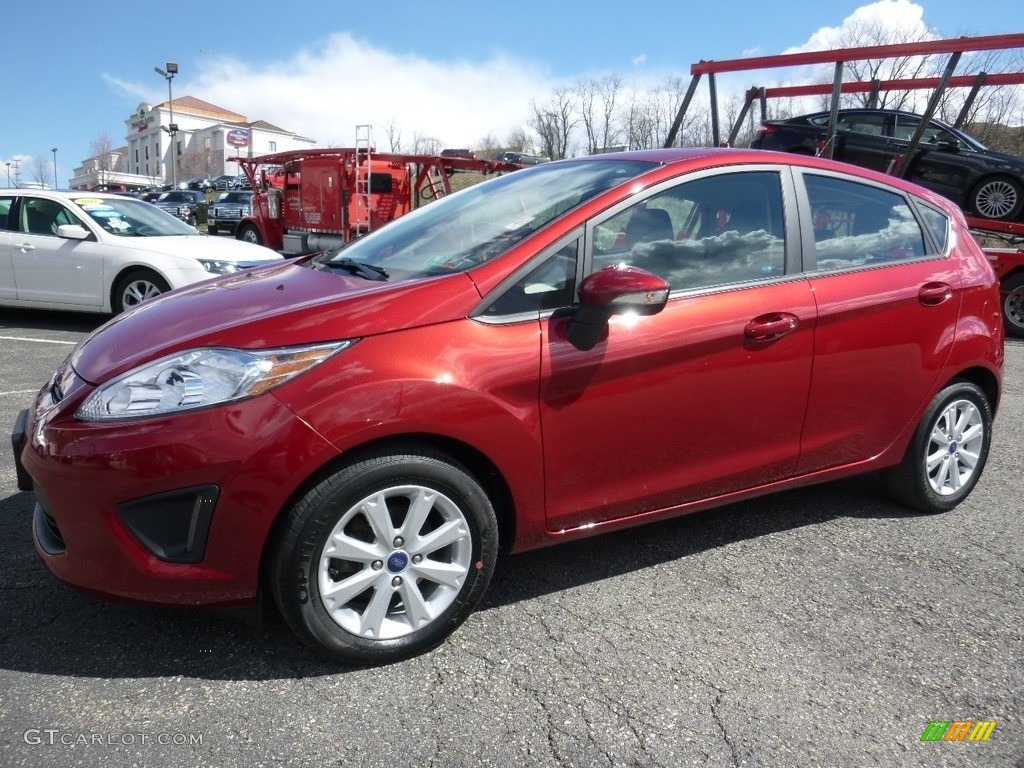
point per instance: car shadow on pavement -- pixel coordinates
(51, 629)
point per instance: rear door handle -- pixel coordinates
(933, 294)
(25, 247)
(769, 327)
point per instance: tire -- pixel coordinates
(998, 197)
(1012, 293)
(947, 455)
(346, 570)
(136, 287)
(249, 234)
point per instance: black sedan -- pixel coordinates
(981, 181)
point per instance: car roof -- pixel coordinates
(71, 195)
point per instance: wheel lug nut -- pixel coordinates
(399, 541)
(377, 565)
(396, 582)
(417, 559)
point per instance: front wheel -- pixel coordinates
(997, 198)
(947, 454)
(249, 234)
(1012, 291)
(136, 287)
(386, 557)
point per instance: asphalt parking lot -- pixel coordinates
(819, 627)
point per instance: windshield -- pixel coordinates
(236, 197)
(132, 218)
(464, 229)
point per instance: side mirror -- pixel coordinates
(948, 145)
(72, 232)
(616, 290)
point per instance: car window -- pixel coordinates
(856, 225)
(550, 285)
(712, 231)
(860, 122)
(128, 217)
(5, 211)
(41, 216)
(937, 224)
(906, 125)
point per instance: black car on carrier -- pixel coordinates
(981, 181)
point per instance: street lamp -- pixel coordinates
(171, 127)
(54, 150)
(8, 175)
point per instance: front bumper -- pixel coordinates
(173, 510)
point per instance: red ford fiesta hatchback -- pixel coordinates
(569, 349)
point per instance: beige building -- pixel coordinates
(205, 137)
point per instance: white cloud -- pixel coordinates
(324, 93)
(640, 60)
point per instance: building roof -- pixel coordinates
(193, 106)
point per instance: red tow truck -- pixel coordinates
(323, 198)
(1008, 263)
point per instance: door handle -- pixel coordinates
(933, 294)
(771, 326)
(25, 247)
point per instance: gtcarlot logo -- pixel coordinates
(54, 736)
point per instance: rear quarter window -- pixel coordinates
(937, 224)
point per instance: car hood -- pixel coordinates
(199, 246)
(265, 308)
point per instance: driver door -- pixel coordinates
(52, 269)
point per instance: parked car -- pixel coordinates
(100, 252)
(228, 211)
(981, 181)
(199, 183)
(521, 158)
(188, 205)
(224, 181)
(574, 348)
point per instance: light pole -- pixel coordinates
(8, 175)
(54, 150)
(171, 128)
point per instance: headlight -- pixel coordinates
(215, 267)
(199, 378)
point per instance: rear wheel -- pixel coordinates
(1000, 197)
(249, 234)
(1012, 291)
(136, 287)
(385, 558)
(948, 452)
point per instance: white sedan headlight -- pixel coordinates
(217, 267)
(199, 378)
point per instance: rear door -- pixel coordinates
(887, 308)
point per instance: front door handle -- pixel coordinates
(769, 327)
(25, 247)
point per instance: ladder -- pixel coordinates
(363, 180)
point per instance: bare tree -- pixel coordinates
(394, 134)
(425, 145)
(518, 140)
(554, 121)
(102, 148)
(41, 169)
(598, 109)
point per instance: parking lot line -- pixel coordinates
(41, 341)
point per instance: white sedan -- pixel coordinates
(96, 252)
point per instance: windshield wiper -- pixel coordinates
(361, 269)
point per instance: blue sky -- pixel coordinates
(456, 70)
